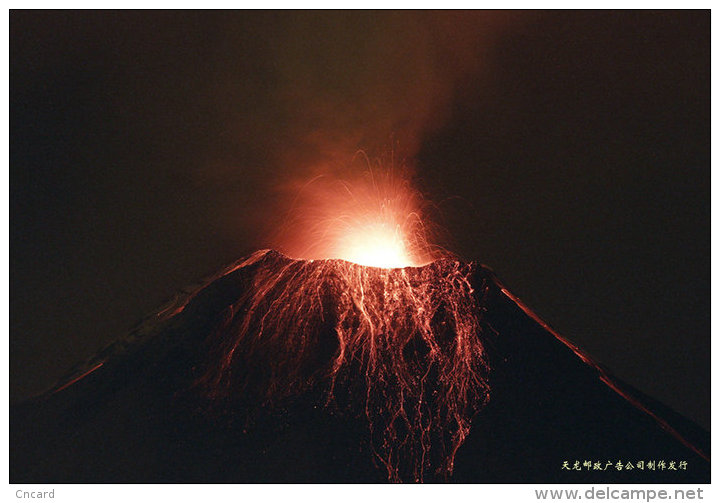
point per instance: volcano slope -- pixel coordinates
(279, 370)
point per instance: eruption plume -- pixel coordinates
(375, 219)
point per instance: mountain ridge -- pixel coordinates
(588, 413)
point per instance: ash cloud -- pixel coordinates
(302, 92)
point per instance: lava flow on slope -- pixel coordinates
(406, 339)
(404, 345)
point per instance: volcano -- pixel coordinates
(280, 370)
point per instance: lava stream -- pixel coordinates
(401, 346)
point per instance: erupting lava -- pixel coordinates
(357, 319)
(377, 245)
(376, 219)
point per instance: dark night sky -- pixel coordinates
(569, 151)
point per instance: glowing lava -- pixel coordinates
(401, 347)
(375, 219)
(361, 322)
(377, 245)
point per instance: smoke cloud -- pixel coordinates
(308, 90)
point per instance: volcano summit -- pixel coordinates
(283, 370)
